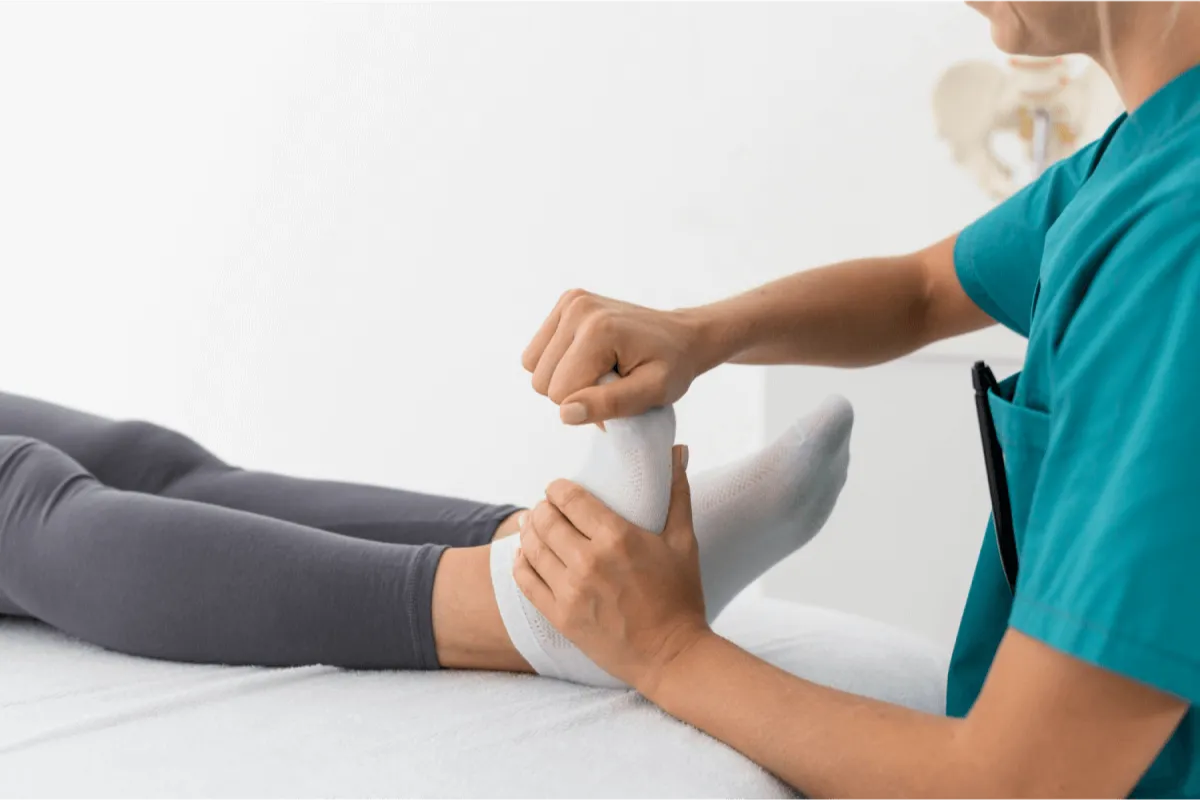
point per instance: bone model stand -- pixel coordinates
(1049, 107)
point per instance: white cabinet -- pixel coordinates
(902, 543)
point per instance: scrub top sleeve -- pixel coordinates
(999, 256)
(1110, 566)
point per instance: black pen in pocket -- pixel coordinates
(993, 459)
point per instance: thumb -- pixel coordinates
(678, 531)
(627, 396)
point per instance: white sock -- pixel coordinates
(753, 513)
(629, 470)
(748, 516)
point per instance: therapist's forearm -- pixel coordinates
(851, 314)
(819, 740)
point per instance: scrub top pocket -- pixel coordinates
(1023, 433)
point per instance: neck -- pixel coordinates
(1148, 45)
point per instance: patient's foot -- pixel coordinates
(748, 516)
(752, 514)
(629, 469)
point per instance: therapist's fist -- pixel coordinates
(657, 355)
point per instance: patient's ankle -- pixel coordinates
(508, 526)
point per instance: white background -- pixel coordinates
(317, 237)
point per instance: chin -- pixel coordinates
(1012, 42)
(1008, 30)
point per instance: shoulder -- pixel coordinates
(1162, 226)
(1136, 277)
(1145, 219)
(1162, 184)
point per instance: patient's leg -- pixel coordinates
(467, 627)
(142, 457)
(186, 581)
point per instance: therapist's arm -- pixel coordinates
(851, 314)
(1045, 725)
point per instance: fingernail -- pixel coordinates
(683, 456)
(573, 413)
(521, 520)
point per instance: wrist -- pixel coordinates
(714, 333)
(678, 650)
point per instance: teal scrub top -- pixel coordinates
(1097, 263)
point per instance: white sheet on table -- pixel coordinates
(77, 720)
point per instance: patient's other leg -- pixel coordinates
(143, 457)
(186, 581)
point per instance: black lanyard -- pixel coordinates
(993, 459)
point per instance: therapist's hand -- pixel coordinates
(630, 600)
(657, 354)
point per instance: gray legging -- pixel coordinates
(135, 538)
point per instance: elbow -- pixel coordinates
(982, 772)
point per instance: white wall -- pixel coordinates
(317, 237)
(902, 543)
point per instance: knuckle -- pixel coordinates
(541, 515)
(614, 534)
(619, 545)
(579, 306)
(626, 548)
(570, 295)
(564, 493)
(523, 579)
(571, 596)
(570, 493)
(531, 549)
(599, 324)
(605, 552)
(589, 563)
(682, 537)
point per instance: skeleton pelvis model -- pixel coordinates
(1048, 106)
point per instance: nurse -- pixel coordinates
(1080, 681)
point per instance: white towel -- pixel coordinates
(77, 720)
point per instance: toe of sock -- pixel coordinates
(834, 417)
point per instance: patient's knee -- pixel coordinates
(34, 478)
(141, 456)
(26, 462)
